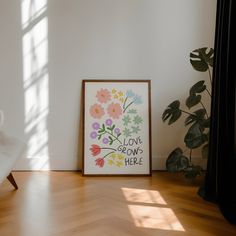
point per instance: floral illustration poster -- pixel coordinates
(116, 127)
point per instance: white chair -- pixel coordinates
(10, 150)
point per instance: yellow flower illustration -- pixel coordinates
(120, 94)
(120, 156)
(113, 90)
(110, 162)
(121, 99)
(113, 155)
(116, 159)
(119, 164)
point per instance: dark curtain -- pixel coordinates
(220, 180)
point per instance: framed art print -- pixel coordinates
(116, 127)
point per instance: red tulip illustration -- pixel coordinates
(100, 162)
(95, 149)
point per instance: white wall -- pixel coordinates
(41, 71)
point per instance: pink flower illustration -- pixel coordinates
(114, 110)
(100, 162)
(103, 95)
(96, 111)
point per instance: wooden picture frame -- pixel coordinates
(116, 127)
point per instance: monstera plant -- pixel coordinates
(197, 117)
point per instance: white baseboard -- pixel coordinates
(61, 163)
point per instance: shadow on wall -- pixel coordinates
(34, 25)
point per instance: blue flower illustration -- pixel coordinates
(130, 93)
(137, 100)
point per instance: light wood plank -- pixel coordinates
(65, 203)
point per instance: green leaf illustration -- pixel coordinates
(127, 132)
(132, 111)
(111, 128)
(110, 140)
(137, 119)
(135, 129)
(126, 120)
(101, 130)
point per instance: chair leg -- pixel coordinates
(12, 180)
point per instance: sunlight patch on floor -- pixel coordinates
(149, 210)
(155, 218)
(143, 196)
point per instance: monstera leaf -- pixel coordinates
(195, 136)
(172, 112)
(193, 171)
(176, 161)
(197, 116)
(193, 100)
(199, 87)
(200, 59)
(197, 120)
(206, 123)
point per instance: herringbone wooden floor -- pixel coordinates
(67, 204)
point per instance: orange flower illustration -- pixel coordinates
(96, 111)
(114, 110)
(100, 162)
(103, 95)
(95, 149)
